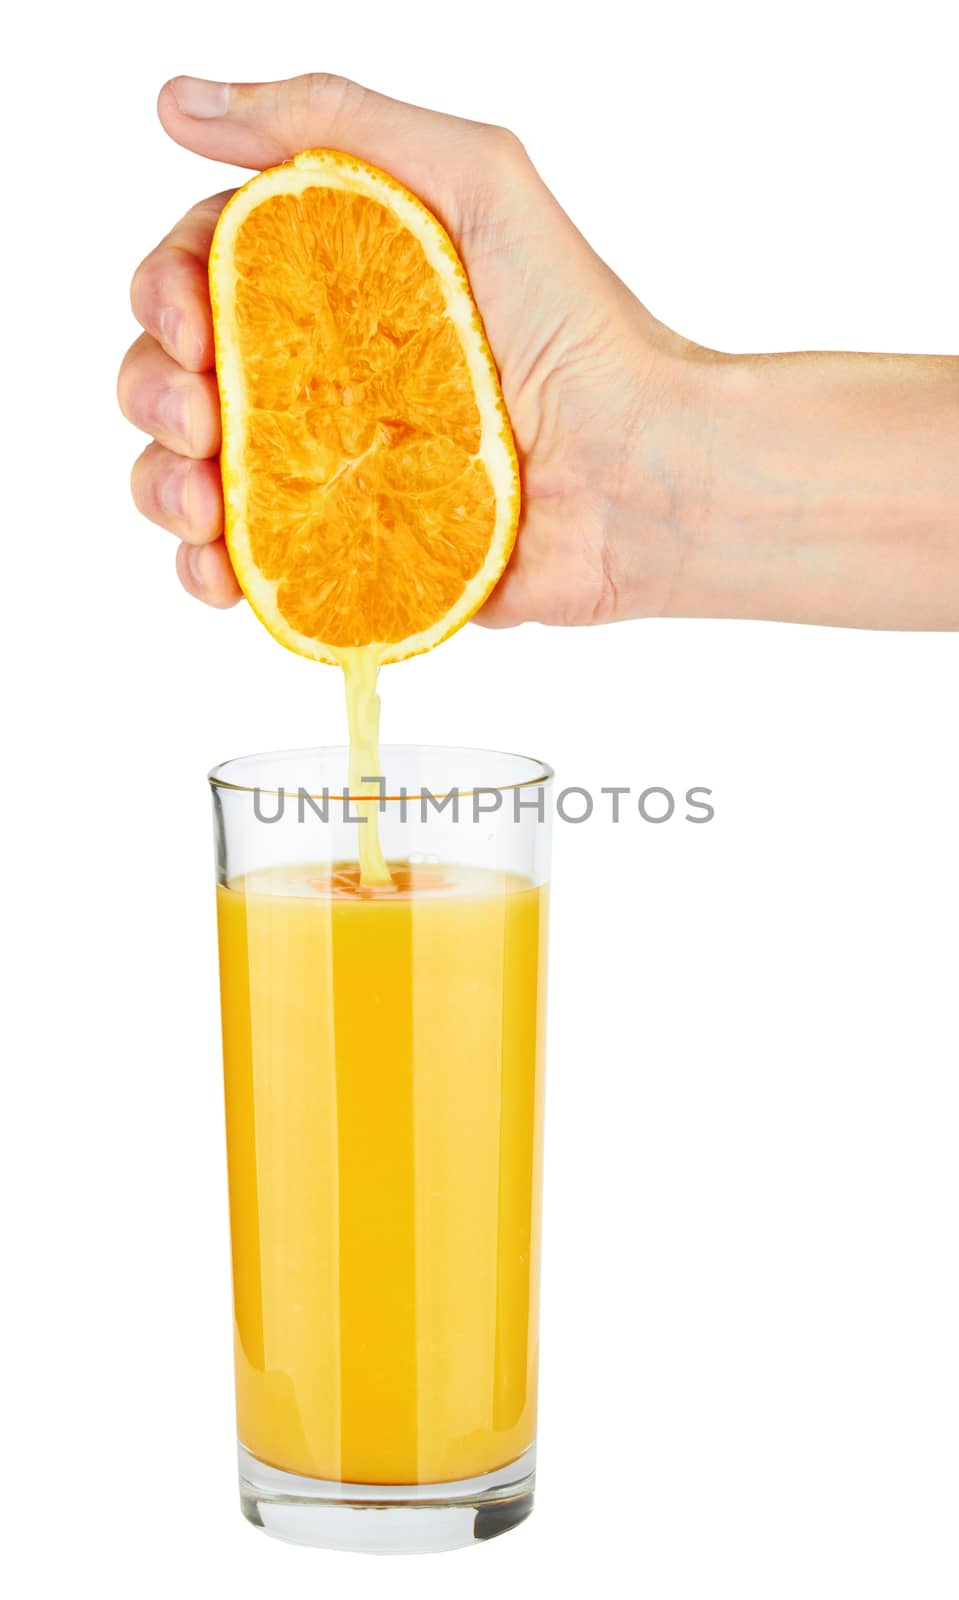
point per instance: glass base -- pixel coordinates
(387, 1519)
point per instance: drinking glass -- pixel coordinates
(383, 1062)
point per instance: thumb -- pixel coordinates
(260, 124)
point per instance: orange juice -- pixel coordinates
(383, 1059)
(360, 671)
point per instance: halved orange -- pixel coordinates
(369, 472)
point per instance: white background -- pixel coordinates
(751, 1318)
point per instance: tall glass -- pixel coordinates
(383, 1057)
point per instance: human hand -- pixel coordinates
(609, 409)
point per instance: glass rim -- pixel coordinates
(543, 775)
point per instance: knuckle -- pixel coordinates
(333, 94)
(158, 279)
(507, 145)
(137, 473)
(143, 287)
(126, 387)
(144, 485)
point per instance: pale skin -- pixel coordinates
(660, 478)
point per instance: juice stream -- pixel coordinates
(360, 668)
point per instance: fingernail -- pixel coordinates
(172, 410)
(194, 559)
(173, 490)
(194, 351)
(170, 323)
(199, 97)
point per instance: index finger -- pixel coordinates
(170, 293)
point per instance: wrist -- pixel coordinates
(830, 492)
(737, 496)
(662, 524)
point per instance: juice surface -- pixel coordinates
(383, 1058)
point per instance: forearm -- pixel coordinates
(829, 494)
